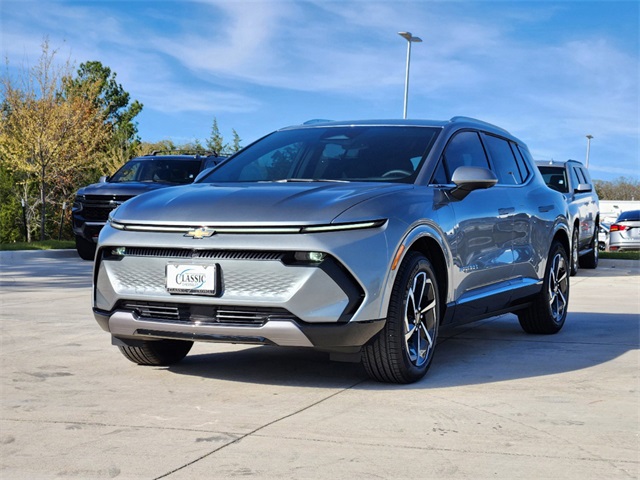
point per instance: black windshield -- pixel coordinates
(358, 153)
(163, 170)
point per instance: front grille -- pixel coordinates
(206, 314)
(211, 254)
(98, 207)
(97, 212)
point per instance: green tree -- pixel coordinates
(97, 83)
(46, 136)
(620, 189)
(215, 143)
(236, 146)
(11, 228)
(194, 147)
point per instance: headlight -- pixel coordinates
(113, 222)
(78, 202)
(309, 257)
(336, 227)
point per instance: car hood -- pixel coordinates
(251, 203)
(123, 188)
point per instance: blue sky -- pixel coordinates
(550, 72)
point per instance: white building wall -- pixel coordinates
(610, 209)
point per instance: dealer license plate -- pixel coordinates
(191, 279)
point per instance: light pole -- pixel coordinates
(410, 39)
(589, 137)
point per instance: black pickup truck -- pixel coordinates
(93, 203)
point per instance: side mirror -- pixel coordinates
(103, 179)
(468, 179)
(583, 187)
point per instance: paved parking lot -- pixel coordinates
(497, 403)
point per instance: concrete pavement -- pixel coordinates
(497, 403)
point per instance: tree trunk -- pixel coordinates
(44, 206)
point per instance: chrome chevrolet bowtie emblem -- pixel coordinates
(201, 232)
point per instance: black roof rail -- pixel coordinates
(181, 152)
(461, 118)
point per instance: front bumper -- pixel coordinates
(89, 230)
(266, 296)
(124, 325)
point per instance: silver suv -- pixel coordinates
(572, 179)
(360, 238)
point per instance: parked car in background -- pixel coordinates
(572, 179)
(357, 238)
(625, 232)
(93, 203)
(603, 236)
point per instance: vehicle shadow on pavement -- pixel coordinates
(495, 350)
(299, 367)
(498, 350)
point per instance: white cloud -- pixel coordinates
(238, 56)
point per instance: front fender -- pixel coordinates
(428, 238)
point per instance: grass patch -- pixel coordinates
(632, 255)
(44, 245)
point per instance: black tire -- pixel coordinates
(157, 352)
(86, 249)
(548, 312)
(590, 259)
(574, 252)
(402, 352)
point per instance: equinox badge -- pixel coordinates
(202, 232)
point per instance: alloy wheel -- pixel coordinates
(558, 287)
(420, 320)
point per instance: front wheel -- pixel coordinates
(548, 311)
(85, 248)
(156, 352)
(402, 352)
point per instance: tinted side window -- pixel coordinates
(555, 177)
(522, 165)
(463, 150)
(630, 216)
(530, 165)
(578, 174)
(585, 174)
(504, 163)
(575, 180)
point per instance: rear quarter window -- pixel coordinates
(632, 216)
(504, 162)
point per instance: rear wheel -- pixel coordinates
(86, 249)
(548, 311)
(156, 352)
(402, 352)
(590, 260)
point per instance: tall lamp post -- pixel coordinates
(589, 137)
(410, 39)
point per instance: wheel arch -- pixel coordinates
(431, 243)
(430, 248)
(562, 235)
